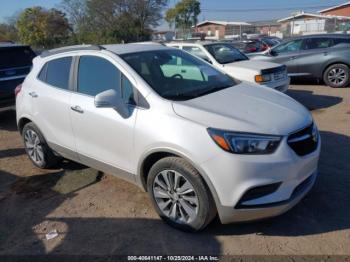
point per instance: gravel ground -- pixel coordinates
(102, 215)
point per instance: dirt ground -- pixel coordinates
(102, 215)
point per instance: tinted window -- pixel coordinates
(291, 46)
(127, 91)
(58, 72)
(15, 57)
(341, 41)
(315, 43)
(42, 74)
(225, 53)
(189, 79)
(96, 75)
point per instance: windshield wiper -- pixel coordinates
(181, 97)
(210, 90)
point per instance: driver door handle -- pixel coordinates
(292, 58)
(77, 109)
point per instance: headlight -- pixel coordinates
(262, 78)
(245, 143)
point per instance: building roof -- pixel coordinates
(334, 7)
(222, 23)
(302, 14)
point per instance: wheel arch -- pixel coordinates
(155, 155)
(333, 63)
(22, 122)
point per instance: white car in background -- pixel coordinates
(227, 58)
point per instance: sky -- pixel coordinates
(227, 10)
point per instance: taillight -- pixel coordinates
(18, 89)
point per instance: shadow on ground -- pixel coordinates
(324, 209)
(313, 101)
(8, 120)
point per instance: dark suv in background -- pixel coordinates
(325, 57)
(15, 64)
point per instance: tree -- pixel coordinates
(76, 11)
(8, 32)
(43, 28)
(110, 21)
(184, 15)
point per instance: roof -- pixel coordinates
(334, 7)
(221, 23)
(302, 14)
(323, 35)
(265, 23)
(120, 49)
(115, 48)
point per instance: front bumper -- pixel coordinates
(233, 176)
(228, 215)
(281, 85)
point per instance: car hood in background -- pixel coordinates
(246, 108)
(249, 65)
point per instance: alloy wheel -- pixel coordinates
(337, 76)
(175, 196)
(33, 146)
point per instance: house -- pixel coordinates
(271, 28)
(222, 29)
(307, 23)
(338, 10)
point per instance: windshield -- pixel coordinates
(225, 53)
(177, 75)
(270, 42)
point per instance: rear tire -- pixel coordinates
(179, 194)
(337, 76)
(36, 147)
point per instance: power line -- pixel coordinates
(264, 9)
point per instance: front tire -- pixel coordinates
(337, 76)
(36, 147)
(180, 195)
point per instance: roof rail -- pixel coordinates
(70, 48)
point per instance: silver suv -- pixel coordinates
(200, 142)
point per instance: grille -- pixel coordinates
(274, 70)
(305, 141)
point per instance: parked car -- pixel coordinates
(256, 45)
(233, 62)
(15, 64)
(199, 141)
(325, 57)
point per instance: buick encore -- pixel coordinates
(200, 142)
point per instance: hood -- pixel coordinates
(246, 108)
(249, 65)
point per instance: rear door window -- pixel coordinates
(58, 71)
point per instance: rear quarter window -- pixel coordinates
(56, 72)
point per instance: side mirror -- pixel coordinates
(111, 99)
